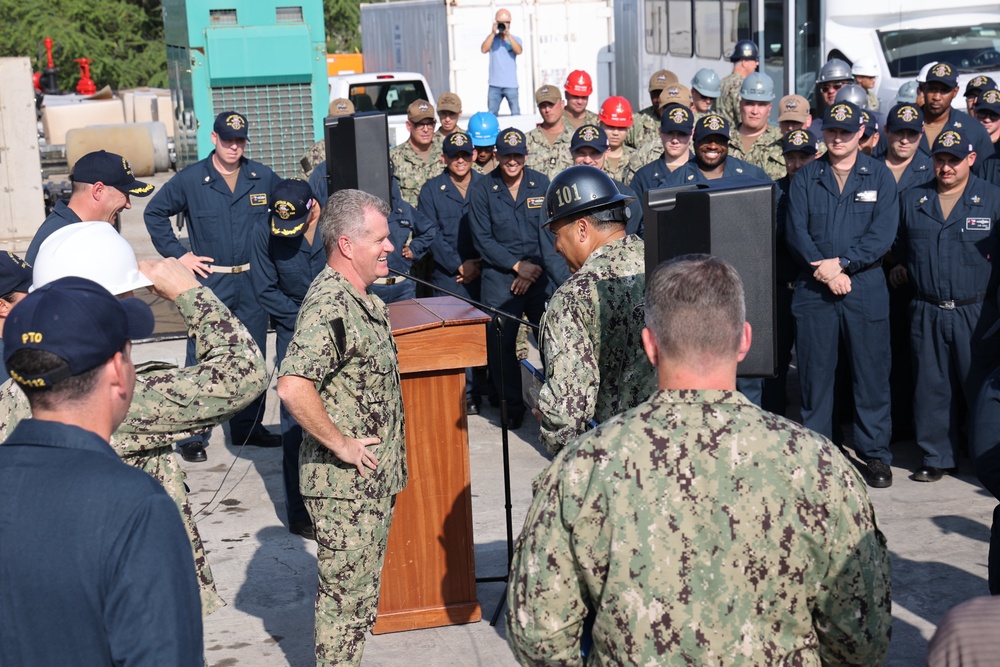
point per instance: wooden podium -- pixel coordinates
(429, 575)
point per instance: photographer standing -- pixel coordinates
(503, 48)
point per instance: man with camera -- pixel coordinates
(503, 49)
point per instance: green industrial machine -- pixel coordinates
(263, 58)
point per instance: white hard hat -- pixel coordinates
(865, 67)
(922, 77)
(92, 250)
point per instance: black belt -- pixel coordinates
(952, 304)
(868, 267)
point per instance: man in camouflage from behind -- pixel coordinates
(340, 381)
(317, 154)
(594, 364)
(696, 528)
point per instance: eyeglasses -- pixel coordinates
(983, 114)
(425, 123)
(833, 85)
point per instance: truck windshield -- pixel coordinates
(389, 96)
(969, 48)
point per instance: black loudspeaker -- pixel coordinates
(357, 153)
(732, 219)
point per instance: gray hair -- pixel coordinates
(695, 308)
(344, 215)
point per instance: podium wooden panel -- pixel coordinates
(429, 575)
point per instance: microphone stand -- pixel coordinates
(497, 317)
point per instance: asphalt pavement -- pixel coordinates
(937, 533)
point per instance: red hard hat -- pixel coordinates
(616, 112)
(578, 83)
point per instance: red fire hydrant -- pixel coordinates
(86, 85)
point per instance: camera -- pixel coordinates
(501, 27)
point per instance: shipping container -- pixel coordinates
(442, 39)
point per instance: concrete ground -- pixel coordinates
(937, 533)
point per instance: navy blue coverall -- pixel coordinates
(445, 206)
(858, 224)
(283, 270)
(505, 231)
(949, 262)
(220, 225)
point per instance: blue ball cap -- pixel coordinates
(676, 118)
(457, 142)
(842, 116)
(291, 200)
(943, 73)
(512, 142)
(952, 143)
(989, 100)
(905, 117)
(870, 123)
(112, 170)
(709, 125)
(231, 125)
(589, 135)
(78, 321)
(15, 274)
(803, 141)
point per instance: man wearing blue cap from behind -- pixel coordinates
(287, 254)
(79, 591)
(15, 279)
(225, 197)
(842, 218)
(947, 240)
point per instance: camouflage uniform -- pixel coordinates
(765, 152)
(618, 171)
(728, 104)
(344, 345)
(645, 126)
(412, 171)
(872, 100)
(589, 118)
(313, 157)
(595, 365)
(548, 158)
(703, 531)
(490, 166)
(171, 403)
(650, 151)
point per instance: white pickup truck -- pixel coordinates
(391, 92)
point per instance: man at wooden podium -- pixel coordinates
(340, 380)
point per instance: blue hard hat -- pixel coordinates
(745, 49)
(484, 128)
